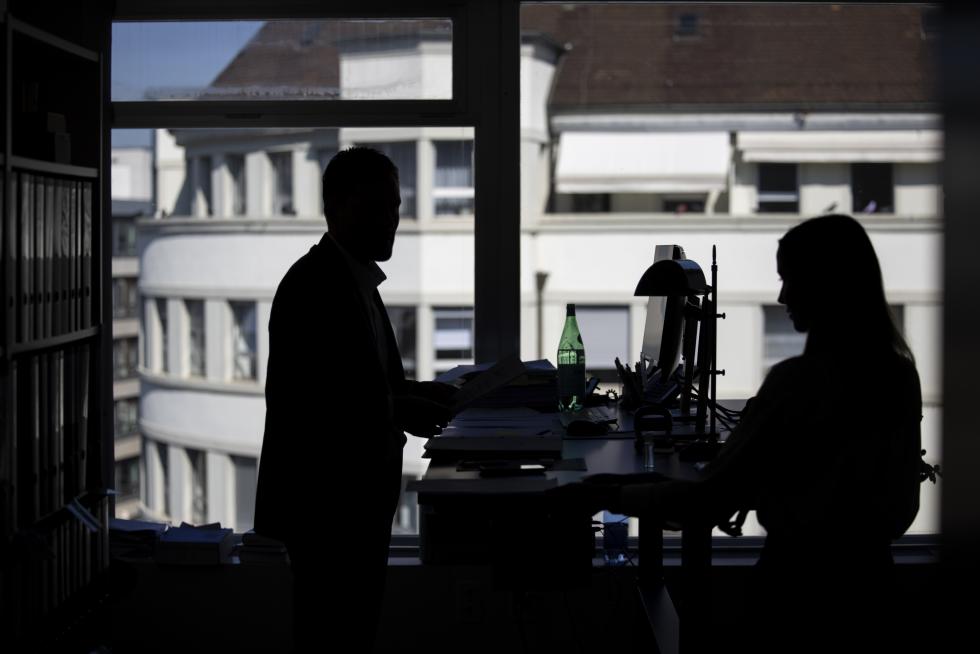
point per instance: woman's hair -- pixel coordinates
(831, 259)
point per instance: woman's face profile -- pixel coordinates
(793, 295)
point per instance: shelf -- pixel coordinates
(47, 38)
(38, 166)
(53, 342)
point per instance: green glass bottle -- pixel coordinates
(571, 364)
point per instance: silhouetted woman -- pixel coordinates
(827, 453)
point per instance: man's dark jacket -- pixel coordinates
(330, 470)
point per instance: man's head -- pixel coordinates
(361, 200)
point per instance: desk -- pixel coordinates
(467, 519)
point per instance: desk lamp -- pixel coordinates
(684, 278)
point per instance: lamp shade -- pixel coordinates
(672, 277)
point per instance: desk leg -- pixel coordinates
(695, 605)
(651, 539)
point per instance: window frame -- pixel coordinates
(486, 36)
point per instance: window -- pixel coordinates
(453, 338)
(605, 334)
(126, 417)
(686, 26)
(778, 189)
(236, 177)
(125, 297)
(199, 486)
(282, 183)
(195, 342)
(781, 340)
(163, 454)
(679, 206)
(128, 478)
(125, 354)
(204, 198)
(872, 189)
(402, 154)
(124, 237)
(582, 203)
(403, 324)
(161, 305)
(301, 60)
(243, 341)
(406, 520)
(246, 477)
(453, 189)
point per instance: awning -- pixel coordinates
(894, 146)
(642, 162)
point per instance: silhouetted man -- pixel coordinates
(337, 403)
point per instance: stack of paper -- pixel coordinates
(187, 544)
(509, 383)
(256, 548)
(135, 538)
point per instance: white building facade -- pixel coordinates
(601, 188)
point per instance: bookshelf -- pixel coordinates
(54, 509)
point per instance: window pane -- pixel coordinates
(246, 477)
(235, 164)
(453, 338)
(716, 125)
(872, 190)
(403, 323)
(453, 190)
(195, 320)
(128, 478)
(243, 340)
(605, 335)
(162, 334)
(199, 486)
(282, 59)
(282, 183)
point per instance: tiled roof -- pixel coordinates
(631, 56)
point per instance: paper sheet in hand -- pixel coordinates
(498, 376)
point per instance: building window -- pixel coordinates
(236, 176)
(246, 478)
(204, 185)
(686, 26)
(403, 324)
(453, 189)
(406, 520)
(125, 354)
(125, 297)
(282, 183)
(606, 336)
(195, 340)
(162, 332)
(243, 341)
(686, 205)
(199, 486)
(872, 189)
(780, 340)
(402, 154)
(453, 339)
(128, 478)
(124, 237)
(126, 417)
(778, 188)
(163, 454)
(583, 203)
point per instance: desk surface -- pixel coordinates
(614, 453)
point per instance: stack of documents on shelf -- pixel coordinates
(517, 431)
(187, 544)
(256, 548)
(508, 383)
(134, 538)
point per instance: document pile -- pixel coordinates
(134, 538)
(256, 548)
(187, 544)
(506, 384)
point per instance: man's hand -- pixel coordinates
(420, 416)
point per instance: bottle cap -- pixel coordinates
(570, 309)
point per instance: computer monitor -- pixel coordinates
(664, 329)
